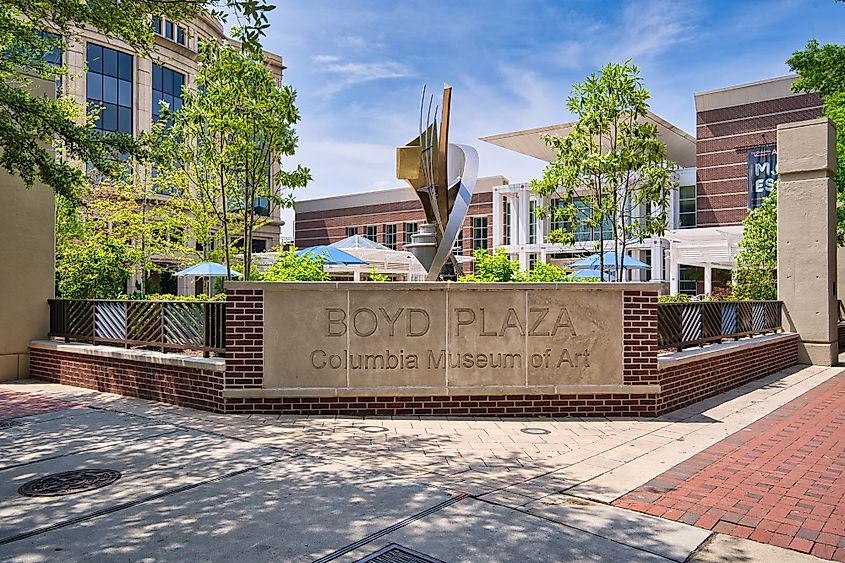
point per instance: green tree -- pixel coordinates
(32, 122)
(92, 268)
(376, 276)
(228, 140)
(821, 69)
(544, 272)
(756, 274)
(610, 174)
(493, 267)
(292, 267)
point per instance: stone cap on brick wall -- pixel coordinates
(439, 286)
(673, 359)
(132, 355)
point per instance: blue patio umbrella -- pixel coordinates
(332, 254)
(207, 270)
(593, 262)
(588, 274)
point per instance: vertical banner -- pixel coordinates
(762, 174)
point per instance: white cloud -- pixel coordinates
(351, 73)
(326, 59)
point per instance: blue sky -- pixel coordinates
(359, 67)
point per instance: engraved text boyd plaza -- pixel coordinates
(413, 323)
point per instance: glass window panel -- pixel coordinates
(687, 206)
(124, 93)
(178, 80)
(168, 30)
(124, 66)
(95, 58)
(108, 117)
(157, 74)
(167, 81)
(94, 86)
(157, 24)
(124, 120)
(110, 89)
(109, 62)
(177, 104)
(180, 35)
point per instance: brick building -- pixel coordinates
(390, 217)
(731, 123)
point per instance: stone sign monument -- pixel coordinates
(441, 335)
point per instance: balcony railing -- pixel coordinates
(167, 325)
(681, 325)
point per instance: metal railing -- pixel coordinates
(167, 325)
(681, 325)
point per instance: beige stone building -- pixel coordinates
(105, 72)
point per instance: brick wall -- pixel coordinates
(329, 226)
(640, 339)
(182, 386)
(244, 338)
(723, 137)
(683, 384)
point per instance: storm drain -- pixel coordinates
(535, 431)
(10, 423)
(69, 482)
(373, 429)
(395, 553)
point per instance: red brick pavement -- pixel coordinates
(14, 404)
(777, 481)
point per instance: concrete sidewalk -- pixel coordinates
(200, 486)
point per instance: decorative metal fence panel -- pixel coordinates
(168, 325)
(692, 323)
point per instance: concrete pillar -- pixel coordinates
(807, 237)
(656, 259)
(708, 279)
(498, 222)
(523, 214)
(674, 273)
(542, 204)
(27, 263)
(514, 215)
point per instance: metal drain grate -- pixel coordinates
(69, 482)
(535, 431)
(395, 553)
(373, 429)
(10, 423)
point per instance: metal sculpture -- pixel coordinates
(443, 176)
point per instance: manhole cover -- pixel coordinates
(69, 482)
(395, 553)
(535, 431)
(373, 429)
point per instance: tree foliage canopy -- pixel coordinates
(33, 122)
(756, 274)
(821, 69)
(292, 267)
(611, 174)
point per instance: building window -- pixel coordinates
(167, 90)
(371, 232)
(458, 247)
(157, 25)
(688, 279)
(532, 222)
(109, 88)
(261, 206)
(645, 256)
(687, 207)
(52, 55)
(351, 231)
(390, 236)
(507, 221)
(168, 30)
(259, 245)
(532, 259)
(556, 222)
(180, 35)
(410, 231)
(479, 232)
